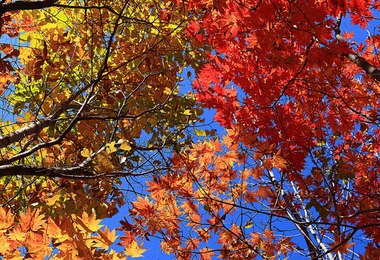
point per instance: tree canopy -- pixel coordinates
(93, 119)
(89, 95)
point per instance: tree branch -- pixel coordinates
(358, 60)
(76, 172)
(25, 5)
(39, 125)
(295, 217)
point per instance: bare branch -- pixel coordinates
(25, 5)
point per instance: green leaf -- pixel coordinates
(200, 132)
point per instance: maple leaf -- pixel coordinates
(192, 28)
(232, 24)
(127, 239)
(6, 219)
(88, 223)
(340, 245)
(55, 231)
(17, 234)
(143, 206)
(39, 245)
(32, 220)
(4, 245)
(125, 225)
(263, 191)
(134, 250)
(279, 161)
(286, 245)
(105, 239)
(230, 157)
(207, 254)
(190, 206)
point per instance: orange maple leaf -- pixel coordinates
(31, 220)
(17, 235)
(6, 219)
(88, 223)
(134, 250)
(263, 191)
(279, 162)
(143, 206)
(207, 254)
(4, 244)
(340, 245)
(127, 239)
(105, 239)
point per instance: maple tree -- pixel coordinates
(296, 174)
(90, 96)
(90, 101)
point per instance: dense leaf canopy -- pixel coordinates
(93, 119)
(89, 95)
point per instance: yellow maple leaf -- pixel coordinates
(52, 200)
(111, 147)
(133, 250)
(88, 223)
(85, 152)
(105, 238)
(125, 146)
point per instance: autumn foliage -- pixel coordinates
(296, 173)
(92, 115)
(90, 95)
